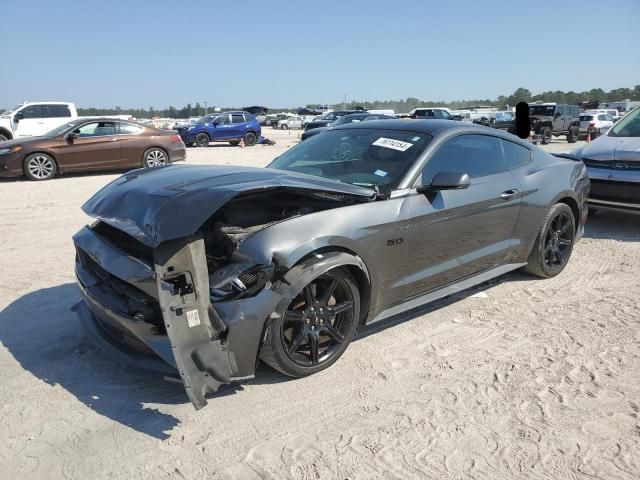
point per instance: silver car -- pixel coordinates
(613, 164)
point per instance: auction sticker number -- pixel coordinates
(393, 144)
(193, 319)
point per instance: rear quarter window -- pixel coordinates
(57, 111)
(515, 155)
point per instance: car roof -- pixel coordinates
(433, 127)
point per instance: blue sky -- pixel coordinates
(288, 53)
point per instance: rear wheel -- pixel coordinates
(154, 157)
(317, 326)
(572, 136)
(202, 140)
(250, 139)
(39, 166)
(546, 136)
(554, 243)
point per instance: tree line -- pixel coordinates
(594, 95)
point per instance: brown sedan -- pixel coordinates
(90, 144)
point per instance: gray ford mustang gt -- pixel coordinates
(201, 271)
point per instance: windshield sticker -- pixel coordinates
(415, 139)
(392, 144)
(193, 319)
(380, 173)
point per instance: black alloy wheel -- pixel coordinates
(554, 243)
(316, 327)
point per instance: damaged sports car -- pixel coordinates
(200, 272)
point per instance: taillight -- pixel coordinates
(592, 125)
(175, 138)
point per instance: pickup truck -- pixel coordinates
(31, 119)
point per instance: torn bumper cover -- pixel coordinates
(160, 318)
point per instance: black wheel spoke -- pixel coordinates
(326, 295)
(340, 307)
(308, 295)
(294, 316)
(564, 243)
(297, 340)
(333, 332)
(313, 348)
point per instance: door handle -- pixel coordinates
(509, 194)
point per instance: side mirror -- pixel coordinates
(71, 136)
(446, 181)
(18, 116)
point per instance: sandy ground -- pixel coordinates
(519, 378)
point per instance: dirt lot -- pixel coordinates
(520, 378)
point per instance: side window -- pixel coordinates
(237, 118)
(96, 129)
(476, 155)
(58, 111)
(222, 119)
(601, 117)
(609, 118)
(32, 111)
(560, 110)
(515, 155)
(128, 129)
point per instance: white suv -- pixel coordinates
(595, 123)
(35, 118)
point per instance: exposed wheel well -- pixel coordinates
(6, 133)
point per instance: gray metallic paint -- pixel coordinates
(450, 240)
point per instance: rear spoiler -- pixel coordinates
(568, 156)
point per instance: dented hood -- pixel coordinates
(165, 203)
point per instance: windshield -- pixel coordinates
(504, 116)
(628, 126)
(363, 157)
(344, 120)
(542, 110)
(59, 130)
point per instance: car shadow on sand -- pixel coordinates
(613, 225)
(46, 338)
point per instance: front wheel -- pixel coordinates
(39, 166)
(202, 140)
(317, 326)
(572, 136)
(154, 157)
(284, 126)
(554, 243)
(546, 136)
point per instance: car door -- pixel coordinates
(221, 126)
(456, 233)
(132, 144)
(30, 121)
(558, 119)
(238, 125)
(96, 145)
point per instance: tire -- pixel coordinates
(573, 135)
(250, 139)
(289, 337)
(202, 140)
(39, 166)
(554, 243)
(284, 126)
(235, 143)
(546, 136)
(3, 138)
(155, 157)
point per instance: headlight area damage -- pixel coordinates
(165, 287)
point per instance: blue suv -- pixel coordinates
(222, 127)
